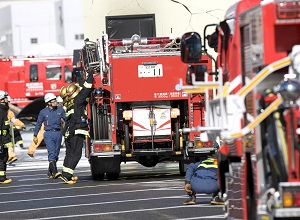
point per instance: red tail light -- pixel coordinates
(297, 199)
(97, 147)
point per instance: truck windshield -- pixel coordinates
(53, 72)
(68, 74)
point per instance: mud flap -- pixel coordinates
(105, 164)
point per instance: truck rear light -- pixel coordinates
(97, 147)
(288, 9)
(287, 199)
(107, 147)
(127, 115)
(175, 112)
(198, 143)
(296, 199)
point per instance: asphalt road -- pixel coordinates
(140, 193)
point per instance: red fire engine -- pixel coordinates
(26, 79)
(255, 112)
(136, 108)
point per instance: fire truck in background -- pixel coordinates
(136, 110)
(255, 112)
(26, 79)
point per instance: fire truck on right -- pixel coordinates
(255, 110)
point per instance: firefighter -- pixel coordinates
(32, 148)
(17, 125)
(201, 177)
(5, 137)
(76, 129)
(51, 116)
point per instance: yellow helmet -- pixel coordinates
(73, 90)
(63, 92)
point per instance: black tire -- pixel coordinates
(112, 176)
(182, 167)
(126, 138)
(98, 176)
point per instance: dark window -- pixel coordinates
(68, 75)
(53, 72)
(125, 26)
(81, 36)
(76, 37)
(34, 40)
(34, 73)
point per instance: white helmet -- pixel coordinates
(8, 98)
(49, 96)
(59, 99)
(3, 94)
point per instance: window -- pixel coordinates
(34, 40)
(53, 72)
(79, 36)
(68, 75)
(125, 26)
(34, 73)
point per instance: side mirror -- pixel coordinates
(190, 46)
(198, 70)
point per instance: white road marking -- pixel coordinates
(137, 210)
(80, 187)
(109, 202)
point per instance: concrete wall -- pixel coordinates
(168, 14)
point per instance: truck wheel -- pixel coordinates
(126, 138)
(98, 176)
(176, 136)
(182, 167)
(112, 176)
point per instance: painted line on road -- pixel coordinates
(131, 211)
(104, 203)
(80, 187)
(203, 217)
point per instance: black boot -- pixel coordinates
(191, 200)
(50, 174)
(53, 169)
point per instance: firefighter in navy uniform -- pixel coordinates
(76, 128)
(52, 117)
(202, 177)
(5, 138)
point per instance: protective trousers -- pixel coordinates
(204, 185)
(53, 141)
(3, 161)
(74, 144)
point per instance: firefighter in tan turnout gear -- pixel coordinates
(76, 128)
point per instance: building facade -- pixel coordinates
(46, 27)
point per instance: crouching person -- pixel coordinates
(202, 177)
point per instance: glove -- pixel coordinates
(77, 72)
(188, 188)
(91, 71)
(35, 139)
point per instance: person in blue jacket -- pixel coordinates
(53, 117)
(202, 177)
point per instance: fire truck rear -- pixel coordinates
(26, 79)
(136, 108)
(255, 112)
